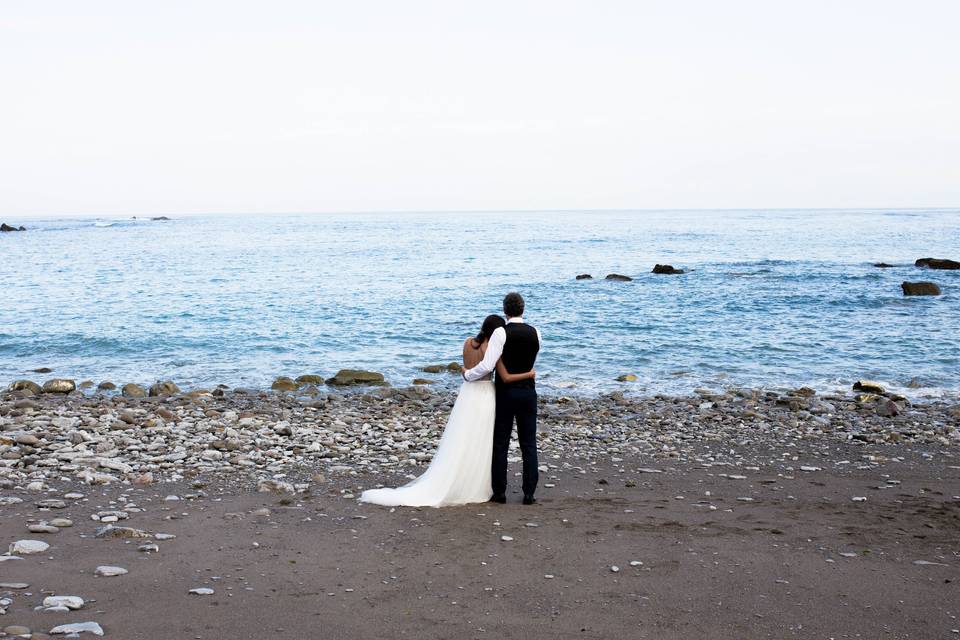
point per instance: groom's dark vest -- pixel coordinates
(519, 352)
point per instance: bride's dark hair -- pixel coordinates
(490, 324)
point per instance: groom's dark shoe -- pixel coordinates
(529, 500)
(499, 498)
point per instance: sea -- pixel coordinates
(770, 299)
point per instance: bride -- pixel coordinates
(460, 470)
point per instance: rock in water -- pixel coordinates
(584, 276)
(59, 385)
(5, 228)
(629, 377)
(346, 377)
(882, 265)
(666, 269)
(868, 386)
(422, 381)
(284, 383)
(618, 277)
(106, 386)
(26, 385)
(131, 390)
(78, 627)
(937, 263)
(309, 378)
(920, 289)
(167, 388)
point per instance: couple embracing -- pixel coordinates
(470, 464)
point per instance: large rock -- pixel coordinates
(5, 228)
(453, 367)
(283, 383)
(937, 263)
(310, 378)
(618, 277)
(346, 377)
(869, 386)
(920, 289)
(26, 385)
(59, 385)
(666, 269)
(584, 276)
(131, 390)
(167, 388)
(106, 386)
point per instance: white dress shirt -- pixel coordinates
(494, 350)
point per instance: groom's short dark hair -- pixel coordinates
(513, 305)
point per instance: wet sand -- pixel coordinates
(695, 559)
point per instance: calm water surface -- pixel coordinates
(772, 298)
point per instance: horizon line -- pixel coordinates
(472, 211)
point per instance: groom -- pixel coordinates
(518, 344)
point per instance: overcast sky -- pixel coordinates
(123, 107)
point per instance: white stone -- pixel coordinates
(202, 591)
(79, 627)
(108, 572)
(71, 602)
(506, 538)
(26, 547)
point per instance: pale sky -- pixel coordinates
(126, 108)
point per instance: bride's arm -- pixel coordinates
(510, 378)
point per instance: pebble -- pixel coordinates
(108, 571)
(78, 627)
(14, 585)
(636, 563)
(16, 630)
(859, 498)
(615, 569)
(148, 548)
(110, 531)
(202, 591)
(27, 547)
(70, 602)
(506, 538)
(164, 536)
(42, 528)
(51, 503)
(61, 523)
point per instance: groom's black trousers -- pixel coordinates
(518, 403)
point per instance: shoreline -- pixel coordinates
(113, 438)
(723, 517)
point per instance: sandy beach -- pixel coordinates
(740, 519)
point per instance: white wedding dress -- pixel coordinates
(460, 470)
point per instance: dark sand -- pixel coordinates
(328, 567)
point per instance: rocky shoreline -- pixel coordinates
(165, 433)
